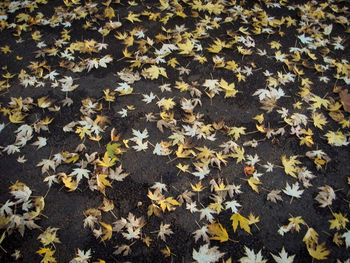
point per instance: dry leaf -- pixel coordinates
(345, 99)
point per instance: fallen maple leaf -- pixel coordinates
(207, 255)
(283, 257)
(251, 257)
(164, 229)
(339, 221)
(242, 221)
(47, 254)
(318, 252)
(107, 231)
(49, 236)
(345, 99)
(290, 165)
(274, 196)
(69, 183)
(218, 232)
(186, 47)
(293, 191)
(253, 184)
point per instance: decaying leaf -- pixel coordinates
(345, 99)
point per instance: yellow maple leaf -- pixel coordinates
(253, 219)
(214, 48)
(107, 231)
(312, 56)
(129, 41)
(182, 86)
(205, 152)
(244, 51)
(229, 89)
(220, 187)
(82, 131)
(345, 123)
(296, 57)
(168, 203)
(173, 62)
(336, 138)
(297, 105)
(167, 104)
(69, 183)
(319, 120)
(290, 165)
(239, 155)
(181, 153)
(109, 12)
(126, 53)
(47, 254)
(338, 239)
(198, 187)
(107, 161)
(318, 252)
(259, 118)
(102, 182)
(311, 237)
(242, 221)
(6, 49)
(121, 36)
(307, 140)
(153, 72)
(183, 168)
(65, 34)
(217, 207)
(200, 59)
(109, 95)
(218, 232)
(218, 46)
(237, 132)
(275, 45)
(240, 77)
(253, 184)
(36, 35)
(231, 65)
(133, 17)
(17, 117)
(49, 236)
(154, 209)
(296, 222)
(319, 102)
(186, 48)
(339, 221)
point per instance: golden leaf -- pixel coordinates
(107, 231)
(318, 252)
(218, 232)
(242, 221)
(70, 183)
(290, 165)
(253, 184)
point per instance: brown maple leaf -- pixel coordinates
(345, 99)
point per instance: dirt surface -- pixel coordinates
(256, 97)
